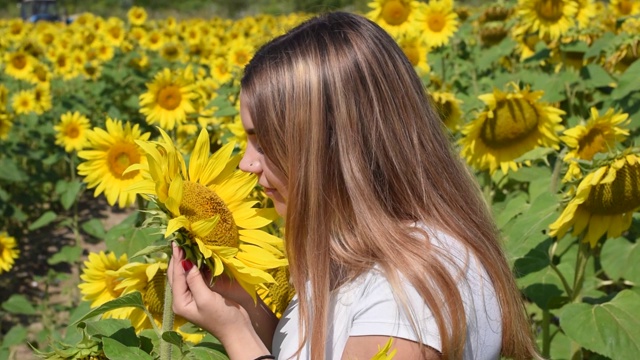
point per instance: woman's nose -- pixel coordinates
(250, 162)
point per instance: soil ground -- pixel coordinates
(58, 294)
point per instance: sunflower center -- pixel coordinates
(513, 120)
(170, 97)
(72, 132)
(592, 143)
(413, 54)
(550, 10)
(154, 295)
(436, 22)
(625, 7)
(242, 58)
(114, 32)
(200, 203)
(120, 156)
(618, 197)
(395, 12)
(445, 109)
(19, 61)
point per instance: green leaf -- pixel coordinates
(133, 299)
(11, 172)
(68, 254)
(126, 238)
(151, 250)
(18, 304)
(628, 82)
(173, 337)
(94, 228)
(115, 350)
(599, 45)
(71, 194)
(596, 76)
(227, 111)
(610, 329)
(620, 259)
(43, 220)
(15, 336)
(207, 350)
(117, 329)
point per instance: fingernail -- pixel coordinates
(186, 265)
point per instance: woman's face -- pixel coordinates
(254, 161)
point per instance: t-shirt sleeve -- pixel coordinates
(378, 312)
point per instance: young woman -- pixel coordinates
(386, 233)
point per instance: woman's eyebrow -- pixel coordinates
(251, 131)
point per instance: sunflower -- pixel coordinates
(100, 280)
(395, 16)
(168, 99)
(448, 107)
(5, 125)
(586, 12)
(137, 16)
(277, 295)
(8, 252)
(551, 18)
(72, 130)
(416, 50)
(437, 21)
(240, 52)
(604, 201)
(600, 134)
(107, 156)
(24, 102)
(19, 64)
(624, 8)
(150, 280)
(511, 124)
(208, 210)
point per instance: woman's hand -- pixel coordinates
(217, 309)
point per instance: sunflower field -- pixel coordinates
(137, 118)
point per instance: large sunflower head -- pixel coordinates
(208, 210)
(71, 131)
(108, 155)
(168, 99)
(550, 18)
(599, 134)
(8, 252)
(511, 124)
(395, 16)
(437, 21)
(604, 201)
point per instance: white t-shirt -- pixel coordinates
(367, 307)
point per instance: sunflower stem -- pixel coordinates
(584, 251)
(565, 283)
(546, 333)
(167, 322)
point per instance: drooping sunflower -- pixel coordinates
(150, 280)
(277, 295)
(208, 210)
(168, 99)
(600, 134)
(24, 102)
(71, 131)
(108, 155)
(448, 106)
(437, 21)
(551, 18)
(395, 16)
(137, 16)
(8, 252)
(100, 281)
(623, 8)
(604, 201)
(511, 124)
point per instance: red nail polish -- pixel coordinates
(186, 265)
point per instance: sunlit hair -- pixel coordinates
(340, 111)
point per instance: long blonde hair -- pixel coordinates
(340, 111)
